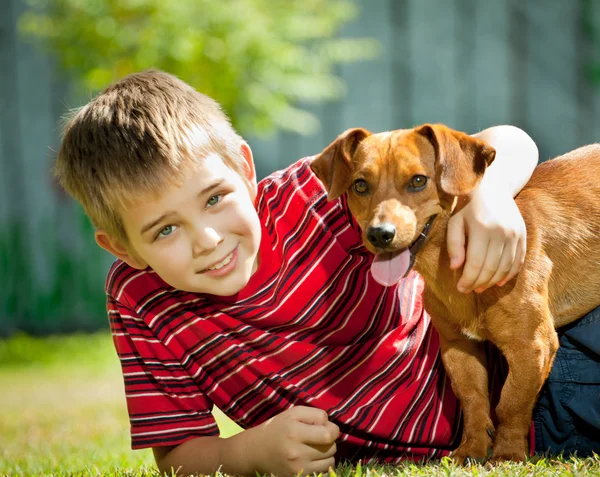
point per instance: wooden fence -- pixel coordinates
(468, 63)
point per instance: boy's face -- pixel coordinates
(202, 236)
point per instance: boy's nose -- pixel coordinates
(204, 239)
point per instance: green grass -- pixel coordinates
(63, 413)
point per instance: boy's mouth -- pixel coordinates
(220, 264)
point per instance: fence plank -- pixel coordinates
(433, 61)
(36, 133)
(491, 53)
(401, 90)
(368, 102)
(589, 96)
(552, 74)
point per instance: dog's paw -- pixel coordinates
(474, 451)
(466, 457)
(510, 451)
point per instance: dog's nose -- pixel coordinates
(381, 235)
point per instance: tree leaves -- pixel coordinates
(258, 58)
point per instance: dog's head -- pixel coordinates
(396, 181)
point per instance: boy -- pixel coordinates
(258, 298)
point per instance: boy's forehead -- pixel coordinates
(203, 172)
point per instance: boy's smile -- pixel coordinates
(200, 236)
(223, 267)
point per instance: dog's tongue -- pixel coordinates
(387, 268)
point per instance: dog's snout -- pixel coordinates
(381, 235)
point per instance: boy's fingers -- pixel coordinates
(333, 429)
(310, 415)
(324, 451)
(505, 265)
(476, 253)
(320, 466)
(455, 241)
(317, 435)
(518, 261)
(490, 265)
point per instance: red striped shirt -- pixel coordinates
(311, 328)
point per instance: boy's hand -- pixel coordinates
(497, 239)
(300, 439)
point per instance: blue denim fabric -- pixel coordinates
(567, 415)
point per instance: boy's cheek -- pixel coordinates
(252, 191)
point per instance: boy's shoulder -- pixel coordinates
(290, 178)
(295, 186)
(130, 286)
(146, 295)
(292, 201)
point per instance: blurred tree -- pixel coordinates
(258, 58)
(590, 21)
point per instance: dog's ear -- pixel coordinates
(461, 159)
(334, 165)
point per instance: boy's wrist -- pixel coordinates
(238, 454)
(244, 449)
(489, 188)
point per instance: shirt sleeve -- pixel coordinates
(164, 403)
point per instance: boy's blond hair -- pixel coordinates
(137, 136)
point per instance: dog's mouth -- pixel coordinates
(388, 268)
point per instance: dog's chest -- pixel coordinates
(470, 333)
(464, 317)
(441, 297)
(456, 309)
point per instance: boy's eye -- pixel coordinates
(165, 231)
(214, 200)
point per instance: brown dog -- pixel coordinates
(401, 188)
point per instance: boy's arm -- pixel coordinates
(300, 439)
(490, 218)
(516, 158)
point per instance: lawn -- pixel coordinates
(63, 413)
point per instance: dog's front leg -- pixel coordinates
(465, 363)
(529, 350)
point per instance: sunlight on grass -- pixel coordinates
(63, 413)
(63, 408)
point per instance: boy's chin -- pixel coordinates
(225, 290)
(225, 287)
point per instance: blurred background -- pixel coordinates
(291, 74)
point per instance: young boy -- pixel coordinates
(258, 298)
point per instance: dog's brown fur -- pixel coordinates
(559, 281)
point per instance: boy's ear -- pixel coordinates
(249, 168)
(115, 247)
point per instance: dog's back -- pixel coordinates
(561, 207)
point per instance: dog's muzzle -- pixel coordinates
(382, 235)
(389, 267)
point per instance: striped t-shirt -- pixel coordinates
(311, 328)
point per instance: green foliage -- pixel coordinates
(590, 27)
(73, 298)
(256, 57)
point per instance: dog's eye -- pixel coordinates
(418, 182)
(361, 187)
